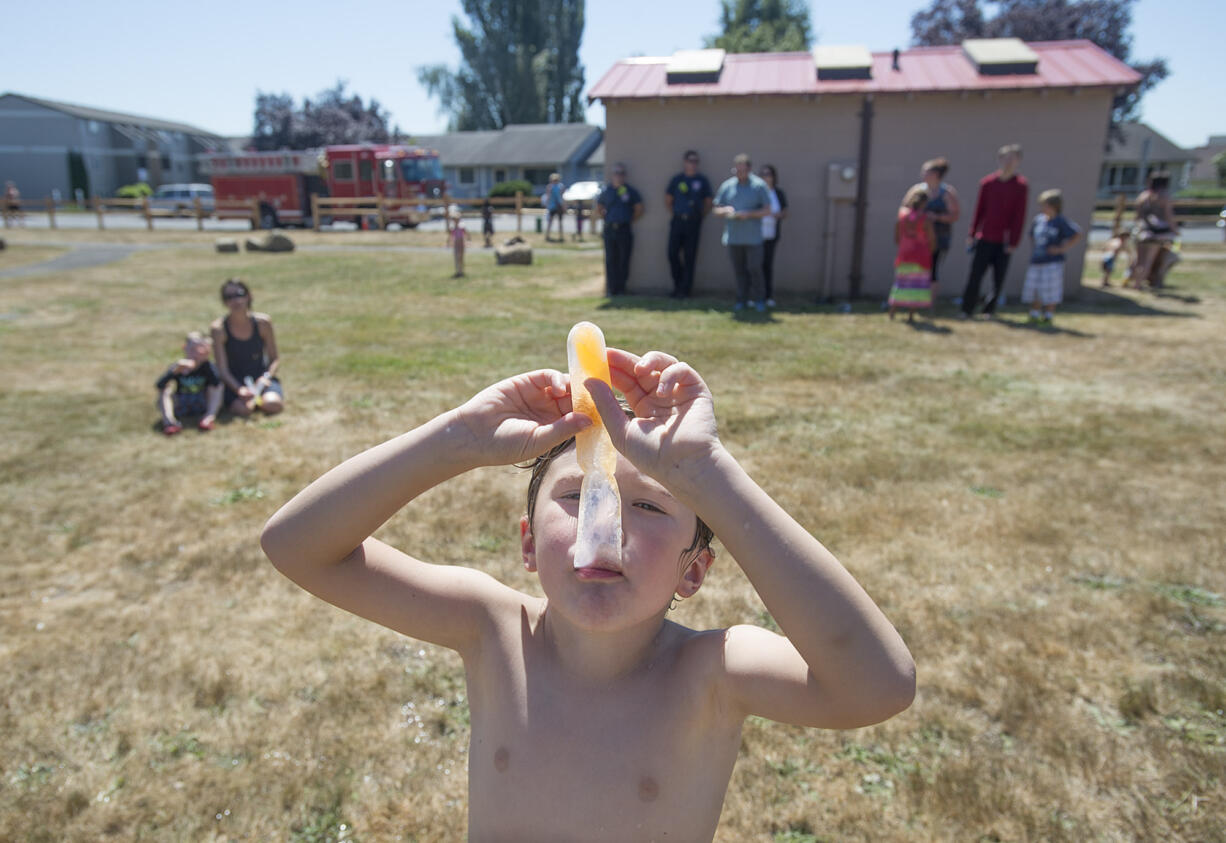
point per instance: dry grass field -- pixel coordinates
(1041, 513)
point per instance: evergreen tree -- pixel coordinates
(1105, 22)
(519, 63)
(763, 26)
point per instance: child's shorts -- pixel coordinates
(1044, 282)
(191, 404)
(1108, 263)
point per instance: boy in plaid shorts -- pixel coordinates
(1053, 236)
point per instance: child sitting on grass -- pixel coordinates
(593, 717)
(1053, 236)
(190, 387)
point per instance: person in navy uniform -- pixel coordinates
(688, 197)
(618, 205)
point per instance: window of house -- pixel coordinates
(466, 175)
(500, 175)
(537, 175)
(1130, 176)
(342, 170)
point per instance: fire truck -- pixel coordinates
(283, 181)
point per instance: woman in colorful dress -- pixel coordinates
(915, 237)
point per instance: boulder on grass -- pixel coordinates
(270, 243)
(225, 244)
(513, 251)
(277, 243)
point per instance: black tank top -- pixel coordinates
(246, 357)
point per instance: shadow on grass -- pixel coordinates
(1109, 302)
(1023, 324)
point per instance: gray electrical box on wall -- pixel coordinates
(841, 180)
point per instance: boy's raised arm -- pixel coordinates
(842, 664)
(321, 538)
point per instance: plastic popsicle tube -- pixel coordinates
(600, 507)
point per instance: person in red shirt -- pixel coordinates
(996, 228)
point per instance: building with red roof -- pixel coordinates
(847, 131)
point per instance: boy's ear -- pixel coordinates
(695, 573)
(527, 544)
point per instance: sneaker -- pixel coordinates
(739, 306)
(1033, 319)
(760, 307)
(770, 302)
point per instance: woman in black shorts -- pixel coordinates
(246, 351)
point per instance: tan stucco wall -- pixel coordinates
(1062, 133)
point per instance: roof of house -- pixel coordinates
(596, 159)
(519, 145)
(1061, 64)
(103, 116)
(1132, 148)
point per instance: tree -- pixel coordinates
(1105, 22)
(334, 116)
(519, 63)
(763, 26)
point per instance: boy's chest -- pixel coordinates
(635, 762)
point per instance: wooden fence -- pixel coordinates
(225, 208)
(384, 210)
(1186, 210)
(379, 209)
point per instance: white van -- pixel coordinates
(180, 197)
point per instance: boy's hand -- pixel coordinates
(675, 426)
(520, 418)
(184, 365)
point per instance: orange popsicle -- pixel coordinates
(600, 509)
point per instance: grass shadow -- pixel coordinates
(1109, 302)
(1041, 327)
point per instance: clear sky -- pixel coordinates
(202, 63)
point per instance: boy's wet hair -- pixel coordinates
(702, 533)
(1054, 198)
(197, 338)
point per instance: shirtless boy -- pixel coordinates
(593, 717)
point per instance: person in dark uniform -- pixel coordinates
(688, 197)
(618, 205)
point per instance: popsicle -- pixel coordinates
(600, 507)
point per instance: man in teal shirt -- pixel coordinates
(742, 201)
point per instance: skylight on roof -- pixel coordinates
(695, 66)
(850, 61)
(1000, 56)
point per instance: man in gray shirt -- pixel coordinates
(742, 201)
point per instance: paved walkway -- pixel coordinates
(81, 256)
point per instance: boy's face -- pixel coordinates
(656, 530)
(197, 350)
(1048, 210)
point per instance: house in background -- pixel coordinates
(473, 162)
(48, 147)
(1204, 170)
(1127, 164)
(847, 131)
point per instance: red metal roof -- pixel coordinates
(1062, 64)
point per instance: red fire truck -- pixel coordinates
(283, 181)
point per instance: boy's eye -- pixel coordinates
(650, 507)
(568, 496)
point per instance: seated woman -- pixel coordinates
(246, 351)
(1155, 230)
